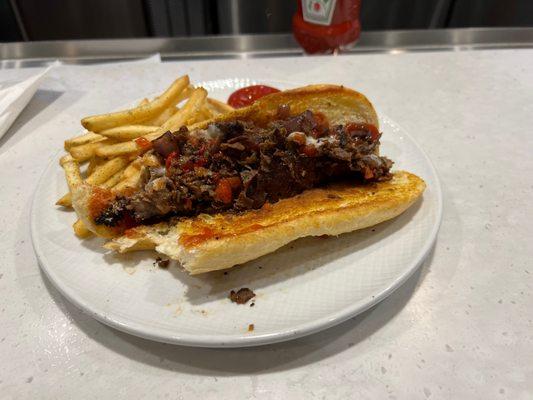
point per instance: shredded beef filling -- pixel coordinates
(238, 165)
(241, 296)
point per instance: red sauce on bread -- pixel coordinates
(195, 239)
(99, 201)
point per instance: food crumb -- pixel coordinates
(253, 304)
(242, 296)
(251, 327)
(130, 270)
(161, 263)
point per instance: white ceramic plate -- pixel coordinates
(305, 287)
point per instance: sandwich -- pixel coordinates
(302, 162)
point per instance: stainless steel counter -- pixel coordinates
(25, 54)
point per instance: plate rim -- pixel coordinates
(233, 341)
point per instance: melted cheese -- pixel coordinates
(309, 140)
(212, 132)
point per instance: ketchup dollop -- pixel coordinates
(246, 96)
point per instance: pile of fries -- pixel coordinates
(114, 143)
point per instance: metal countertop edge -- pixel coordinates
(28, 54)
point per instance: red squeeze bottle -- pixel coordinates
(323, 26)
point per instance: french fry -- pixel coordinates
(180, 118)
(149, 160)
(133, 168)
(86, 151)
(65, 201)
(193, 105)
(162, 118)
(118, 149)
(114, 180)
(219, 106)
(131, 175)
(88, 137)
(80, 230)
(170, 97)
(185, 94)
(195, 126)
(204, 113)
(128, 132)
(107, 170)
(72, 171)
(212, 110)
(129, 182)
(100, 175)
(73, 177)
(93, 163)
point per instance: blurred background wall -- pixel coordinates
(86, 19)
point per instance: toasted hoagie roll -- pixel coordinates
(303, 162)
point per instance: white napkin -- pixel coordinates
(15, 95)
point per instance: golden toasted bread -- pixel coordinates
(212, 242)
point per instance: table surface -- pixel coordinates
(461, 327)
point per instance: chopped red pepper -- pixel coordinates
(170, 157)
(234, 182)
(298, 137)
(203, 149)
(225, 188)
(321, 119)
(143, 143)
(369, 128)
(368, 173)
(200, 162)
(310, 150)
(373, 132)
(223, 192)
(187, 166)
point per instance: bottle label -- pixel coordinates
(318, 11)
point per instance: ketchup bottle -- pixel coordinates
(323, 26)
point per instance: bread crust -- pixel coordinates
(338, 103)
